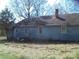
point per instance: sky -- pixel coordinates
(3, 4)
(53, 2)
(71, 6)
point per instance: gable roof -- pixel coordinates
(71, 19)
(32, 22)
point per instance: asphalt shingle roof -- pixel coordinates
(71, 19)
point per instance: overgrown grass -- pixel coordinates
(13, 50)
(68, 57)
(77, 55)
(24, 57)
(8, 56)
(52, 57)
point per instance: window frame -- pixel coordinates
(64, 28)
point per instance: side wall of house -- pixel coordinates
(47, 33)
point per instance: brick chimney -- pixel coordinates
(56, 13)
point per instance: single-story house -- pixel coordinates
(45, 28)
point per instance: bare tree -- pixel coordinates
(21, 7)
(39, 6)
(28, 8)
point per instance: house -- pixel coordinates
(45, 28)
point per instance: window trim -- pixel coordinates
(64, 28)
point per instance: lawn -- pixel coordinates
(7, 56)
(12, 50)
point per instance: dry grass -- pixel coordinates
(40, 51)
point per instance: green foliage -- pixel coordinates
(6, 20)
(2, 32)
(6, 16)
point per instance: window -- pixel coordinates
(64, 28)
(40, 29)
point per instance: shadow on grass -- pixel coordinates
(3, 41)
(44, 42)
(40, 42)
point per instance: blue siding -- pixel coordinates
(73, 33)
(48, 32)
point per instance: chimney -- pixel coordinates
(56, 13)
